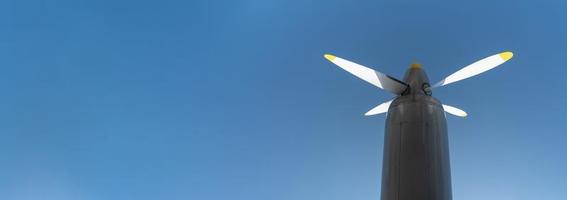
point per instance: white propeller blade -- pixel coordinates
(369, 75)
(382, 108)
(476, 68)
(454, 111)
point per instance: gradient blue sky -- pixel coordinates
(233, 100)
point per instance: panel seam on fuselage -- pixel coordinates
(399, 159)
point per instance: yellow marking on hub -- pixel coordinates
(415, 66)
(506, 55)
(330, 57)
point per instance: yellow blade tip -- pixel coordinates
(506, 55)
(330, 57)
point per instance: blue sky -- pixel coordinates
(233, 99)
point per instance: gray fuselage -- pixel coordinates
(416, 150)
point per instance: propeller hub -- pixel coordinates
(417, 80)
(415, 66)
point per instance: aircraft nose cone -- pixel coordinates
(417, 79)
(415, 66)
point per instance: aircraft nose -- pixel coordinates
(415, 66)
(417, 79)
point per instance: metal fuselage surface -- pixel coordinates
(416, 150)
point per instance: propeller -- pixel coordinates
(454, 111)
(398, 87)
(476, 68)
(382, 108)
(371, 76)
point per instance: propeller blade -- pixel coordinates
(476, 68)
(382, 108)
(454, 111)
(369, 75)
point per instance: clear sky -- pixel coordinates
(215, 100)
